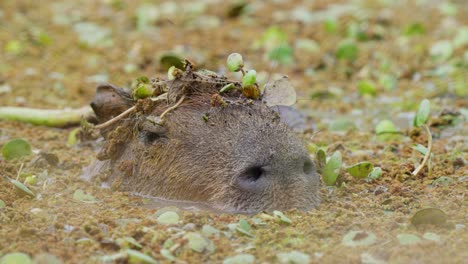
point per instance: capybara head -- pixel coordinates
(229, 152)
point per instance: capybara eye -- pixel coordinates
(148, 137)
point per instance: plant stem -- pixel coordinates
(428, 153)
(117, 118)
(46, 117)
(172, 107)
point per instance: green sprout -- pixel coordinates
(250, 89)
(235, 62)
(420, 121)
(142, 88)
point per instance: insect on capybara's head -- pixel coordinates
(228, 152)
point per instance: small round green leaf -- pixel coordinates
(198, 243)
(293, 257)
(367, 88)
(143, 90)
(169, 59)
(16, 148)
(332, 169)
(433, 216)
(385, 126)
(81, 196)
(168, 218)
(240, 259)
(423, 113)
(360, 170)
(347, 50)
(375, 173)
(235, 62)
(15, 258)
(249, 78)
(442, 181)
(408, 239)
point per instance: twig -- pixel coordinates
(428, 153)
(115, 119)
(172, 107)
(19, 171)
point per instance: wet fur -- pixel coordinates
(200, 160)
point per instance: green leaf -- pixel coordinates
(423, 113)
(414, 29)
(359, 238)
(385, 126)
(235, 62)
(81, 196)
(16, 148)
(433, 237)
(360, 170)
(283, 54)
(375, 173)
(168, 255)
(388, 82)
(279, 215)
(249, 78)
(72, 139)
(128, 242)
(143, 91)
(293, 257)
(198, 243)
(330, 25)
(367, 88)
(272, 38)
(408, 239)
(332, 169)
(22, 188)
(420, 148)
(442, 181)
(433, 216)
(342, 124)
(16, 258)
(208, 231)
(347, 50)
(227, 88)
(2, 204)
(244, 227)
(14, 47)
(168, 218)
(441, 50)
(240, 259)
(135, 257)
(170, 59)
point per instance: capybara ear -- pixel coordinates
(110, 101)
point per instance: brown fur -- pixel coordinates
(212, 154)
